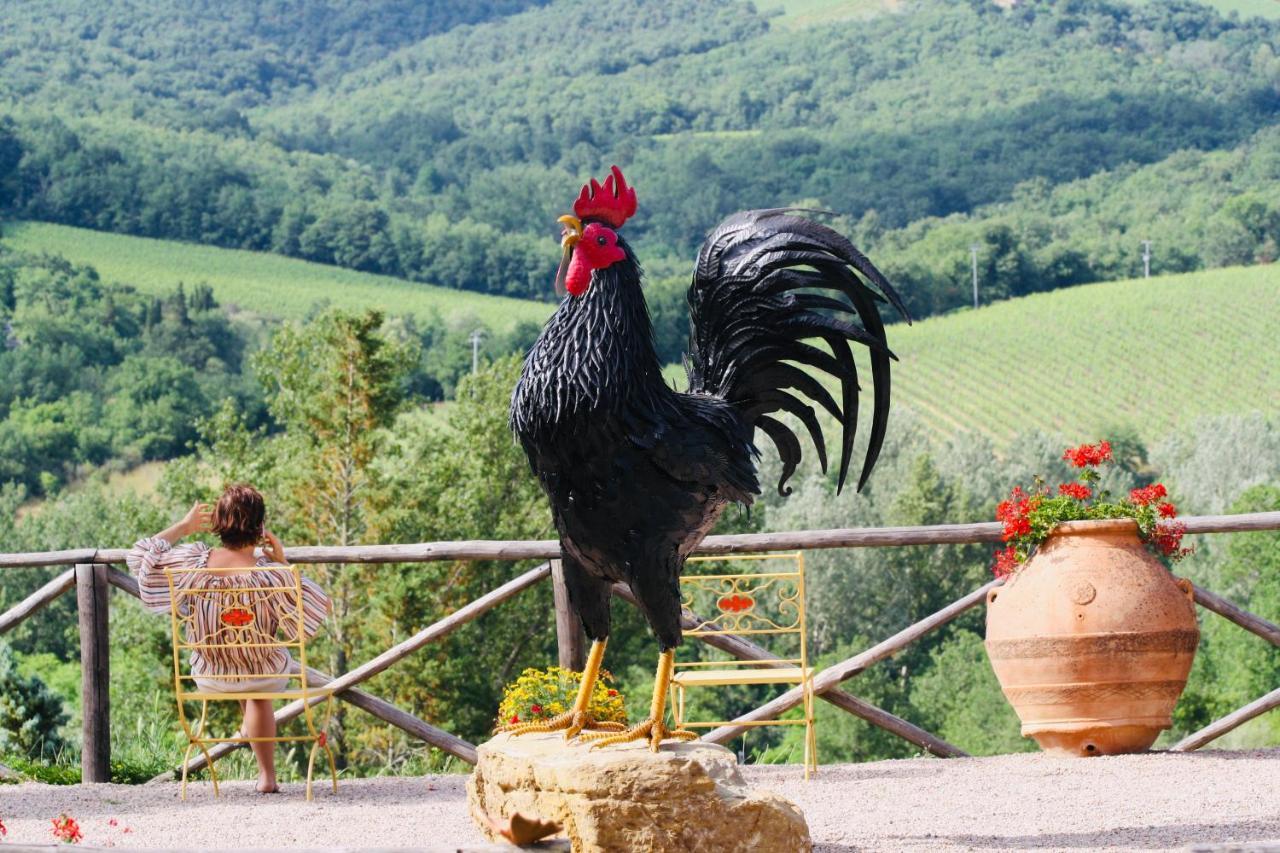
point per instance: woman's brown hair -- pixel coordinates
(238, 518)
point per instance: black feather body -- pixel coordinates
(636, 473)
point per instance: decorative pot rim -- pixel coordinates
(1095, 526)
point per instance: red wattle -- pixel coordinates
(578, 278)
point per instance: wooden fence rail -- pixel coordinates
(92, 572)
(547, 549)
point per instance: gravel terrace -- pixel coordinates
(1160, 801)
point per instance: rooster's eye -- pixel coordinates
(601, 241)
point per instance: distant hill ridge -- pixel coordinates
(437, 143)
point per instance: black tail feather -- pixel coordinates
(754, 309)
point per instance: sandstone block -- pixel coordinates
(685, 797)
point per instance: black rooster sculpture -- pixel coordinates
(637, 473)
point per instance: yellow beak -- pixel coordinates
(572, 231)
(568, 239)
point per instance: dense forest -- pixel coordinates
(441, 147)
(437, 142)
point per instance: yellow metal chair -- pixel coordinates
(769, 603)
(230, 618)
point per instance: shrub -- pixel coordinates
(30, 713)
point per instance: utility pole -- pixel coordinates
(475, 351)
(1146, 259)
(973, 252)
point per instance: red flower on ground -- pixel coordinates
(1148, 494)
(66, 830)
(1088, 455)
(3, 829)
(1167, 510)
(1006, 562)
(1079, 491)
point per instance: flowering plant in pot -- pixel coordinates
(1029, 518)
(1090, 636)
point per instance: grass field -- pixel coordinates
(808, 13)
(1155, 353)
(257, 282)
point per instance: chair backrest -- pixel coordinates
(756, 595)
(234, 619)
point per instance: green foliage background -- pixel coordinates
(416, 155)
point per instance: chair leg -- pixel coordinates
(328, 750)
(333, 766)
(186, 760)
(311, 763)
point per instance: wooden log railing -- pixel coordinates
(92, 572)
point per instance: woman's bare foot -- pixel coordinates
(268, 786)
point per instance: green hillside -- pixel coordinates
(259, 282)
(439, 142)
(1154, 353)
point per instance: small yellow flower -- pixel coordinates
(555, 689)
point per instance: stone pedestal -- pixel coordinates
(685, 797)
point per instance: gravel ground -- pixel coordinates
(1222, 800)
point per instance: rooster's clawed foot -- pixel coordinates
(654, 731)
(570, 722)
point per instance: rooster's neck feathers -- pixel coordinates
(595, 358)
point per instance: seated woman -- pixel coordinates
(238, 520)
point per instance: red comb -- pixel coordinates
(614, 203)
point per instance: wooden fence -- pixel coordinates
(93, 572)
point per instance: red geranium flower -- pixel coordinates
(1168, 539)
(537, 709)
(1167, 510)
(1014, 513)
(613, 693)
(1079, 491)
(66, 830)
(515, 718)
(1006, 562)
(1088, 455)
(1148, 494)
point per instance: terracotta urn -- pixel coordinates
(1092, 640)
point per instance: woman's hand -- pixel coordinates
(198, 519)
(273, 550)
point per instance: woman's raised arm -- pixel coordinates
(197, 520)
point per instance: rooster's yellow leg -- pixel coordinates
(575, 720)
(654, 729)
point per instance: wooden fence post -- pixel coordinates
(570, 640)
(95, 684)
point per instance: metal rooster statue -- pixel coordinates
(637, 473)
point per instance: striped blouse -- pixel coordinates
(148, 560)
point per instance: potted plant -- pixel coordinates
(1090, 636)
